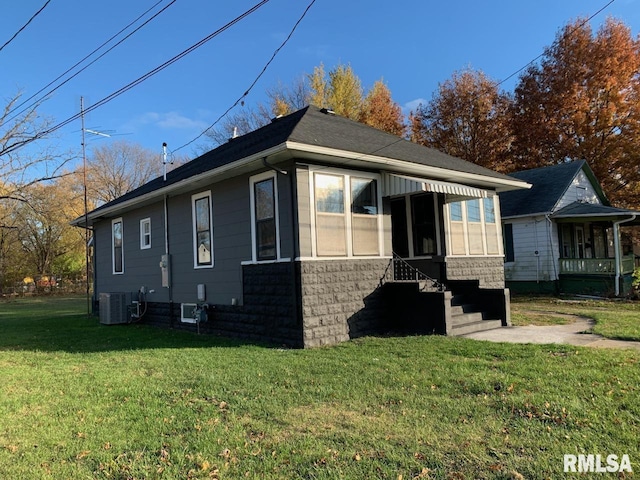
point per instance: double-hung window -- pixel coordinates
(264, 215)
(117, 253)
(202, 230)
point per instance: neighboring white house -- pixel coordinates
(562, 235)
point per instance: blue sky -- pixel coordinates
(412, 45)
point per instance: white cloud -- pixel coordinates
(412, 105)
(167, 120)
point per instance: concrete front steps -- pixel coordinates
(468, 318)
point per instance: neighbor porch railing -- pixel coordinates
(595, 266)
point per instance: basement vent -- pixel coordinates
(113, 308)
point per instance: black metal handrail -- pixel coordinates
(404, 272)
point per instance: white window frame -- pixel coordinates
(194, 199)
(465, 225)
(254, 244)
(113, 246)
(346, 174)
(144, 235)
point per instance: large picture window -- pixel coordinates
(117, 253)
(202, 230)
(265, 236)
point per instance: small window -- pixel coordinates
(364, 220)
(187, 312)
(145, 233)
(202, 230)
(507, 233)
(117, 246)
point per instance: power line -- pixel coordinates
(33, 104)
(25, 25)
(246, 93)
(543, 53)
(136, 82)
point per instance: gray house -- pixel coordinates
(563, 236)
(287, 235)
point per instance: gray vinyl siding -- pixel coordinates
(231, 245)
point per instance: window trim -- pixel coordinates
(113, 246)
(143, 235)
(254, 241)
(465, 225)
(194, 198)
(346, 175)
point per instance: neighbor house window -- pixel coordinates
(509, 252)
(264, 213)
(145, 233)
(117, 253)
(202, 230)
(346, 213)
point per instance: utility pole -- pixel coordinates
(86, 226)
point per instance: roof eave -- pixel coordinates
(358, 159)
(173, 188)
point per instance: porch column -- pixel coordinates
(618, 250)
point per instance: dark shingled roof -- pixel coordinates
(313, 127)
(590, 210)
(549, 185)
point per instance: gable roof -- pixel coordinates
(311, 133)
(549, 184)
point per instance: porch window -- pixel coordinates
(491, 229)
(364, 216)
(399, 227)
(117, 252)
(202, 230)
(265, 219)
(474, 227)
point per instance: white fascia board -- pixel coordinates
(403, 166)
(182, 184)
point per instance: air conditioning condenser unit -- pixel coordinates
(113, 308)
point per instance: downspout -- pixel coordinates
(618, 253)
(166, 251)
(294, 237)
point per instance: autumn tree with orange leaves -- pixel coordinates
(583, 102)
(467, 118)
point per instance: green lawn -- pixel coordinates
(617, 319)
(81, 401)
